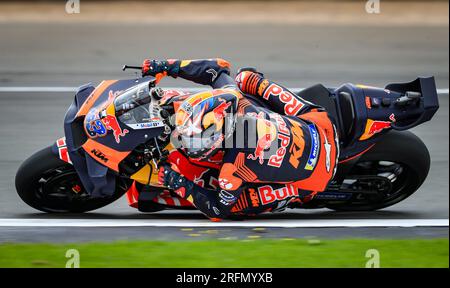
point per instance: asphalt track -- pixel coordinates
(67, 55)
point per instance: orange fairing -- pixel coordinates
(323, 173)
(223, 63)
(87, 105)
(104, 155)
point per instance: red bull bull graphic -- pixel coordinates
(96, 127)
(217, 115)
(266, 132)
(263, 143)
(284, 136)
(111, 123)
(373, 127)
(220, 111)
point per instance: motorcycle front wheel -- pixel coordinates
(51, 185)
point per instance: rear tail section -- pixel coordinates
(366, 113)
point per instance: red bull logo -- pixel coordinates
(263, 143)
(99, 127)
(220, 111)
(96, 127)
(293, 105)
(217, 115)
(373, 127)
(266, 132)
(284, 136)
(269, 195)
(111, 123)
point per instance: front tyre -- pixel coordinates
(49, 184)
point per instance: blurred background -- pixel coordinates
(297, 43)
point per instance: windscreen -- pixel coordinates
(135, 108)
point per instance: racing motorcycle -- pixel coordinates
(117, 132)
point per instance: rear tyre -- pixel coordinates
(403, 159)
(51, 185)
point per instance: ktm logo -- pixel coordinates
(254, 197)
(99, 155)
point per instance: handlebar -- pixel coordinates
(125, 67)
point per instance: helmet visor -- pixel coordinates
(201, 145)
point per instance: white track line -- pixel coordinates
(73, 89)
(333, 223)
(38, 89)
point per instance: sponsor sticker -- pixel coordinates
(146, 125)
(374, 127)
(315, 148)
(293, 105)
(254, 197)
(226, 198)
(284, 136)
(100, 156)
(327, 147)
(62, 150)
(96, 127)
(392, 117)
(269, 195)
(225, 184)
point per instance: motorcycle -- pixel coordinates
(117, 132)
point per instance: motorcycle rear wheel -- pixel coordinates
(51, 185)
(401, 157)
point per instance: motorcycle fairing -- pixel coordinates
(95, 177)
(134, 137)
(97, 159)
(60, 148)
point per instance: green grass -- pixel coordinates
(221, 253)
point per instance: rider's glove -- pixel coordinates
(159, 69)
(171, 179)
(251, 81)
(250, 69)
(184, 188)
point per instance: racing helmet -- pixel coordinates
(204, 120)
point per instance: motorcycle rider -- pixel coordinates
(275, 147)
